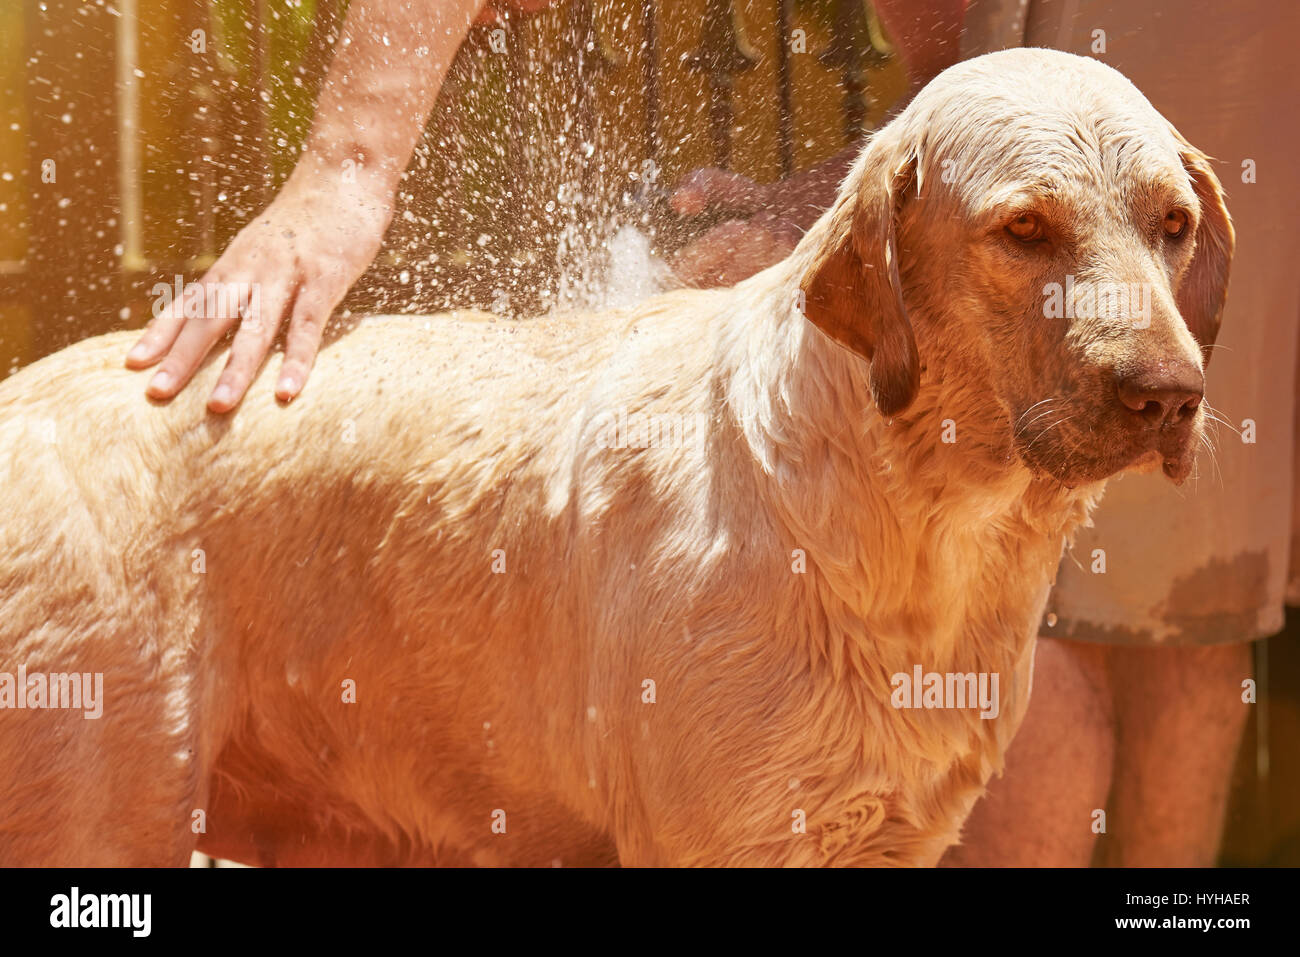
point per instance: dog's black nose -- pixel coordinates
(1166, 394)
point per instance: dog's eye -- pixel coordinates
(1175, 223)
(1026, 227)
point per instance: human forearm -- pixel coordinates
(389, 64)
(304, 251)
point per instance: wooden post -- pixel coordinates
(74, 225)
(723, 52)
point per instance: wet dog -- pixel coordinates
(634, 587)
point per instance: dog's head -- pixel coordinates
(1050, 241)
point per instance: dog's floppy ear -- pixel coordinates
(1205, 284)
(852, 290)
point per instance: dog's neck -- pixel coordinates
(900, 516)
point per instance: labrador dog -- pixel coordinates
(737, 577)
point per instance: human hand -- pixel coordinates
(300, 257)
(737, 248)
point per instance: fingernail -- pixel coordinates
(138, 351)
(222, 395)
(287, 386)
(161, 382)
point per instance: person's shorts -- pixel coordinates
(1211, 561)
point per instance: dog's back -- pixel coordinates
(350, 611)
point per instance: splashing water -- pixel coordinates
(528, 193)
(627, 273)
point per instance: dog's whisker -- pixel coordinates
(1214, 457)
(1017, 426)
(1214, 416)
(1024, 428)
(1048, 429)
(1029, 424)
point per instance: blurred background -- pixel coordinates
(174, 121)
(138, 136)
